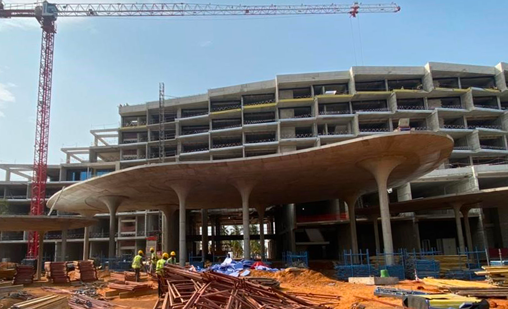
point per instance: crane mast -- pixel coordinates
(47, 13)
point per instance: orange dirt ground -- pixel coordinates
(307, 281)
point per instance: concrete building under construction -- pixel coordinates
(285, 115)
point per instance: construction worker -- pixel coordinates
(153, 260)
(160, 271)
(136, 264)
(172, 259)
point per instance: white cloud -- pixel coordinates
(205, 43)
(6, 96)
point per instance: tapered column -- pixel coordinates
(39, 256)
(183, 189)
(416, 230)
(86, 244)
(351, 202)
(261, 218)
(458, 223)
(292, 227)
(245, 188)
(169, 242)
(381, 168)
(467, 228)
(376, 233)
(64, 245)
(204, 234)
(112, 202)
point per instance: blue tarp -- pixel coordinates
(234, 268)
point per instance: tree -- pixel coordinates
(236, 245)
(255, 245)
(4, 208)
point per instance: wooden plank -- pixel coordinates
(137, 293)
(11, 288)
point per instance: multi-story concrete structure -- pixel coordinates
(299, 111)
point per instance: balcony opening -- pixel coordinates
(218, 124)
(129, 137)
(299, 132)
(374, 127)
(414, 124)
(218, 106)
(486, 82)
(103, 171)
(370, 106)
(133, 121)
(337, 129)
(168, 135)
(257, 99)
(331, 89)
(194, 147)
(410, 104)
(478, 123)
(263, 117)
(447, 82)
(168, 152)
(168, 117)
(492, 142)
(295, 112)
(295, 93)
(259, 137)
(187, 130)
(321, 129)
(260, 152)
(227, 156)
(334, 109)
(452, 123)
(226, 141)
(193, 112)
(78, 175)
(378, 85)
(489, 160)
(453, 102)
(461, 144)
(409, 84)
(458, 162)
(504, 105)
(485, 102)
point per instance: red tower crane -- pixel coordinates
(46, 14)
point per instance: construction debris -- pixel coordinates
(24, 274)
(85, 271)
(270, 282)
(7, 270)
(57, 272)
(188, 289)
(496, 275)
(45, 302)
(10, 288)
(130, 286)
(86, 302)
(451, 283)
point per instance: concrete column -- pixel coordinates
(292, 227)
(168, 229)
(467, 228)
(458, 223)
(182, 190)
(245, 188)
(86, 244)
(261, 217)
(64, 245)
(351, 202)
(381, 169)
(112, 203)
(416, 231)
(376, 233)
(204, 234)
(39, 256)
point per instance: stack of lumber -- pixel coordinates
(449, 262)
(448, 284)
(188, 289)
(57, 272)
(497, 275)
(6, 289)
(7, 270)
(85, 271)
(129, 276)
(86, 302)
(129, 286)
(45, 302)
(24, 274)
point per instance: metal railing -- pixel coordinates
(190, 132)
(265, 140)
(227, 145)
(254, 121)
(453, 126)
(258, 102)
(410, 107)
(225, 108)
(194, 114)
(485, 126)
(340, 112)
(302, 135)
(230, 126)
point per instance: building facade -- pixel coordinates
(290, 113)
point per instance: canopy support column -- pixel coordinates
(458, 223)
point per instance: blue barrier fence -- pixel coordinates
(396, 269)
(354, 265)
(296, 258)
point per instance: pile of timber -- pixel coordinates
(496, 275)
(449, 262)
(85, 271)
(45, 302)
(86, 302)
(24, 274)
(57, 272)
(129, 275)
(129, 286)
(7, 270)
(188, 289)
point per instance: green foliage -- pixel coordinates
(4, 209)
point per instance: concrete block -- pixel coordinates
(374, 280)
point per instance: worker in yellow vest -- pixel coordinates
(160, 271)
(153, 260)
(172, 259)
(136, 264)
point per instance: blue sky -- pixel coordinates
(101, 63)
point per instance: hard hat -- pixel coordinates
(173, 253)
(152, 249)
(140, 252)
(165, 256)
